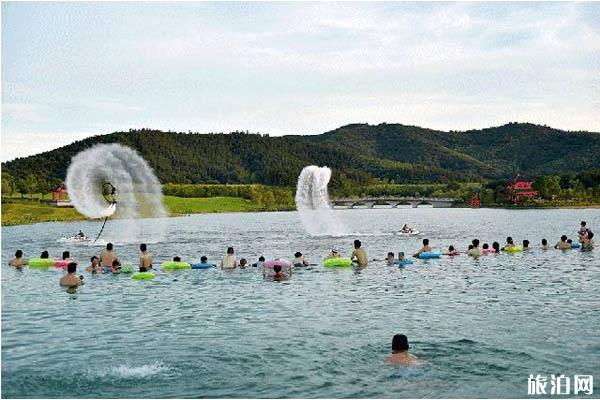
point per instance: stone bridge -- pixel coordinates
(393, 202)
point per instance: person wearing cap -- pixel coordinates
(334, 254)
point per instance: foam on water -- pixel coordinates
(138, 191)
(130, 372)
(312, 203)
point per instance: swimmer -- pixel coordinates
(107, 256)
(359, 254)
(400, 257)
(44, 255)
(177, 259)
(390, 258)
(229, 261)
(525, 245)
(115, 268)
(334, 254)
(588, 243)
(563, 244)
(260, 263)
(18, 261)
(66, 255)
(474, 252)
(93, 268)
(80, 234)
(582, 230)
(277, 274)
(299, 260)
(469, 248)
(400, 354)
(145, 257)
(486, 248)
(243, 263)
(71, 280)
(496, 246)
(509, 243)
(425, 249)
(451, 251)
(545, 245)
(406, 229)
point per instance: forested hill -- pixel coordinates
(358, 153)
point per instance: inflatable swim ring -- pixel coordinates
(176, 265)
(488, 251)
(143, 275)
(278, 261)
(62, 263)
(430, 254)
(202, 266)
(406, 261)
(340, 262)
(514, 249)
(41, 263)
(453, 253)
(575, 245)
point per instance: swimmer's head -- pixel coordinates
(143, 247)
(425, 242)
(298, 254)
(450, 248)
(243, 261)
(496, 246)
(470, 247)
(230, 250)
(544, 242)
(71, 268)
(277, 268)
(357, 244)
(261, 258)
(509, 240)
(525, 243)
(176, 259)
(390, 255)
(66, 255)
(475, 242)
(19, 253)
(116, 263)
(583, 223)
(563, 238)
(569, 241)
(44, 254)
(486, 246)
(109, 246)
(203, 259)
(401, 254)
(143, 269)
(94, 260)
(400, 343)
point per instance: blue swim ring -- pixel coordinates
(202, 266)
(430, 254)
(575, 245)
(406, 261)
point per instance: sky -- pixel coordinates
(72, 70)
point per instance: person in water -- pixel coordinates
(229, 261)
(390, 258)
(71, 279)
(94, 266)
(66, 255)
(359, 254)
(582, 230)
(334, 254)
(451, 251)
(260, 263)
(406, 229)
(107, 256)
(545, 245)
(243, 263)
(115, 267)
(486, 248)
(509, 243)
(80, 234)
(400, 354)
(299, 260)
(425, 249)
(145, 257)
(563, 244)
(277, 274)
(474, 252)
(44, 255)
(18, 261)
(525, 244)
(496, 246)
(587, 243)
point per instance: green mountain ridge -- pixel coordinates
(357, 153)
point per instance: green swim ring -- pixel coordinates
(340, 262)
(40, 263)
(176, 265)
(143, 275)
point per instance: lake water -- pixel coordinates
(481, 326)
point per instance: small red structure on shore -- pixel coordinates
(475, 201)
(59, 193)
(521, 190)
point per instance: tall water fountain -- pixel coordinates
(95, 171)
(312, 202)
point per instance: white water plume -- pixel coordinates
(138, 191)
(312, 202)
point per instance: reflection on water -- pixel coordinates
(482, 326)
